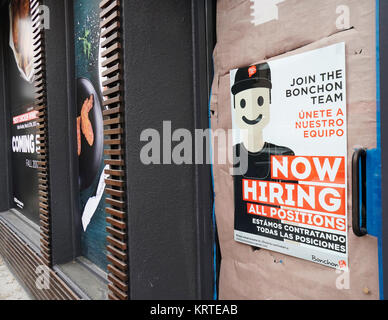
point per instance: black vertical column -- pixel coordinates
(203, 25)
(169, 206)
(63, 162)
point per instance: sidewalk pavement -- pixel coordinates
(10, 289)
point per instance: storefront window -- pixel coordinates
(23, 118)
(90, 139)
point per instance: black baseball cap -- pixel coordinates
(255, 76)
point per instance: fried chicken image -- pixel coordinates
(86, 125)
(22, 35)
(15, 23)
(20, 11)
(79, 135)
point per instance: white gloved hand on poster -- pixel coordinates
(92, 204)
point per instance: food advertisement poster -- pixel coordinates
(25, 161)
(289, 117)
(21, 38)
(89, 121)
(24, 138)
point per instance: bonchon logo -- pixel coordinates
(264, 11)
(325, 262)
(342, 264)
(251, 71)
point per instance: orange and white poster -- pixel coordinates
(289, 121)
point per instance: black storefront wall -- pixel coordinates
(178, 266)
(167, 76)
(170, 248)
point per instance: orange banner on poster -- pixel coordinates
(29, 116)
(309, 168)
(326, 199)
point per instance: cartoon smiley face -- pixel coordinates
(251, 108)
